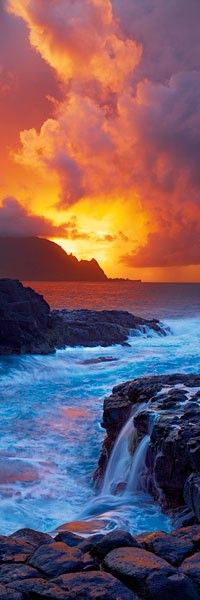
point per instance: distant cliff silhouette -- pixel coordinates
(36, 259)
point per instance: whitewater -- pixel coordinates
(51, 410)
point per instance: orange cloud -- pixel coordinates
(123, 143)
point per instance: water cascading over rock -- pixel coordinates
(127, 461)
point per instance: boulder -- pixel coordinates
(191, 568)
(94, 586)
(13, 573)
(170, 587)
(69, 538)
(35, 589)
(114, 539)
(35, 538)
(174, 548)
(14, 549)
(134, 565)
(57, 558)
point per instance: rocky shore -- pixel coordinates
(27, 325)
(118, 566)
(165, 411)
(172, 469)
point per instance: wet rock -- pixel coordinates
(94, 586)
(13, 573)
(99, 360)
(192, 492)
(69, 538)
(90, 542)
(134, 565)
(170, 587)
(90, 563)
(191, 568)
(36, 589)
(57, 558)
(11, 548)
(24, 320)
(174, 448)
(173, 548)
(114, 539)
(35, 538)
(102, 328)
(6, 594)
(28, 326)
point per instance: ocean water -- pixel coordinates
(51, 409)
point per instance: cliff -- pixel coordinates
(36, 259)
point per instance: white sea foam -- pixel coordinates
(50, 411)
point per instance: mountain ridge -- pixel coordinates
(39, 259)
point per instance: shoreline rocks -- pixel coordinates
(28, 326)
(173, 456)
(159, 566)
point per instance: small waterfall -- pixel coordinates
(139, 459)
(120, 460)
(138, 464)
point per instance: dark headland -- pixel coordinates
(38, 259)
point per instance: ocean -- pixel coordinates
(51, 407)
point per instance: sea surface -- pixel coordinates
(51, 408)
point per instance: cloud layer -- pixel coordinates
(15, 220)
(128, 125)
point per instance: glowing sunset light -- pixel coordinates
(100, 131)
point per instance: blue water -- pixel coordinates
(50, 415)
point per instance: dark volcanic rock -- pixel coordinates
(11, 548)
(28, 326)
(13, 573)
(94, 586)
(172, 461)
(170, 587)
(24, 320)
(134, 565)
(101, 328)
(192, 487)
(69, 538)
(35, 538)
(174, 547)
(139, 572)
(35, 589)
(57, 558)
(6, 594)
(191, 568)
(114, 539)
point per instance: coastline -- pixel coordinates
(91, 566)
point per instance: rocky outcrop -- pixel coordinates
(28, 326)
(103, 328)
(158, 566)
(24, 320)
(173, 456)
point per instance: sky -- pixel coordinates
(100, 131)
